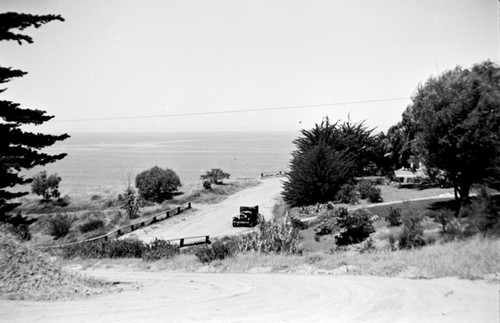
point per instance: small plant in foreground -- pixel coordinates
(277, 235)
(217, 251)
(60, 225)
(412, 235)
(443, 217)
(394, 217)
(159, 249)
(126, 248)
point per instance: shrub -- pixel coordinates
(299, 224)
(354, 227)
(91, 225)
(443, 217)
(392, 242)
(157, 184)
(126, 248)
(215, 176)
(367, 246)
(327, 222)
(130, 202)
(347, 194)
(207, 185)
(368, 190)
(277, 235)
(60, 225)
(412, 234)
(19, 226)
(159, 249)
(394, 217)
(46, 186)
(217, 251)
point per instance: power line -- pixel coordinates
(232, 111)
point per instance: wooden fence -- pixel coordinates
(272, 174)
(131, 227)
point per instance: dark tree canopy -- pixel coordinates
(46, 186)
(215, 176)
(328, 156)
(458, 123)
(20, 149)
(157, 184)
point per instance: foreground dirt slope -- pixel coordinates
(214, 219)
(173, 297)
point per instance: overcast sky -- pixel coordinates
(115, 59)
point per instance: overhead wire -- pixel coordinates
(322, 105)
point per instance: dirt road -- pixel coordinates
(214, 219)
(174, 297)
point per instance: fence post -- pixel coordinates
(181, 243)
(189, 205)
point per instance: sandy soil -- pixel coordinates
(174, 297)
(214, 219)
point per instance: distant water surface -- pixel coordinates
(102, 161)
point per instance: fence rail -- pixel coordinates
(129, 228)
(272, 174)
(192, 241)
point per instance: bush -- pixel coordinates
(277, 235)
(347, 194)
(327, 222)
(394, 217)
(91, 225)
(60, 225)
(157, 184)
(412, 234)
(130, 202)
(19, 226)
(47, 187)
(126, 248)
(354, 227)
(443, 217)
(207, 185)
(159, 249)
(299, 224)
(215, 176)
(217, 251)
(368, 190)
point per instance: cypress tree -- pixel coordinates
(20, 149)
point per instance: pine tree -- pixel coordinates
(20, 150)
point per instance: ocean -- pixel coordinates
(100, 162)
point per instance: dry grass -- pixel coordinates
(476, 258)
(30, 274)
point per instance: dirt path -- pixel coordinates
(174, 297)
(214, 219)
